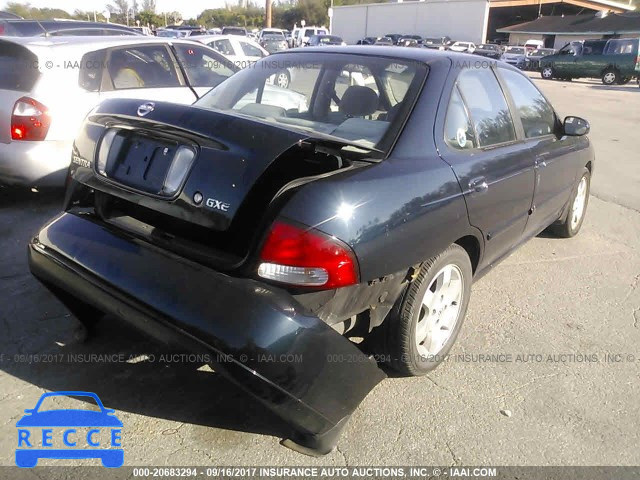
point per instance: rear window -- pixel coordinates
(622, 46)
(19, 68)
(360, 99)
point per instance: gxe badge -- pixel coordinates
(146, 108)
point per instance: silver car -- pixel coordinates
(49, 85)
(515, 56)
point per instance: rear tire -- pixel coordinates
(282, 79)
(610, 76)
(570, 224)
(419, 332)
(547, 73)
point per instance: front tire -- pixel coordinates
(416, 336)
(570, 225)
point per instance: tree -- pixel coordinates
(149, 6)
(149, 18)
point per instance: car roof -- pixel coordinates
(425, 55)
(88, 44)
(214, 36)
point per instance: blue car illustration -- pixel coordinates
(27, 457)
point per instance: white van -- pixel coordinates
(531, 45)
(305, 33)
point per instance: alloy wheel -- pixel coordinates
(439, 311)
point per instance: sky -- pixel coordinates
(188, 8)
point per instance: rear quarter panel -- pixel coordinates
(407, 208)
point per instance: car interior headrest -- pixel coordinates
(359, 101)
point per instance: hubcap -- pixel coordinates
(282, 80)
(609, 77)
(439, 311)
(546, 72)
(577, 209)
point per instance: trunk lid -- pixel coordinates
(232, 153)
(223, 198)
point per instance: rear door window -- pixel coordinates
(488, 107)
(145, 66)
(223, 46)
(538, 117)
(204, 68)
(250, 50)
(18, 67)
(458, 131)
(91, 68)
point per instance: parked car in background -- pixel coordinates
(247, 231)
(463, 47)
(320, 40)
(143, 30)
(171, 33)
(10, 15)
(383, 41)
(287, 36)
(488, 50)
(614, 61)
(270, 31)
(273, 41)
(437, 43)
(241, 51)
(515, 56)
(187, 30)
(408, 42)
(531, 45)
(38, 123)
(241, 31)
(214, 31)
(292, 39)
(46, 28)
(367, 41)
(395, 37)
(305, 33)
(532, 60)
(404, 38)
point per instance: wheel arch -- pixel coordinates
(472, 246)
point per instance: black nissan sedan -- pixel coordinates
(250, 231)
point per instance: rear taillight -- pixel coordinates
(306, 257)
(30, 120)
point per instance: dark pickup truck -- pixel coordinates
(614, 61)
(301, 248)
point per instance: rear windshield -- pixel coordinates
(622, 46)
(516, 50)
(234, 31)
(19, 68)
(362, 100)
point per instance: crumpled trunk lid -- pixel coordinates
(231, 154)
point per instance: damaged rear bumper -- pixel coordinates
(258, 335)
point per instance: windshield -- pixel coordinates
(362, 100)
(516, 50)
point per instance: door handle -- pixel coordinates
(479, 185)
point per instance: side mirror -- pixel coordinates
(575, 126)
